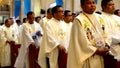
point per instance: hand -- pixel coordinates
(62, 48)
(12, 43)
(7, 41)
(106, 45)
(33, 44)
(102, 51)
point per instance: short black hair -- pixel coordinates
(66, 12)
(82, 2)
(30, 13)
(74, 14)
(55, 9)
(104, 3)
(42, 11)
(6, 21)
(49, 10)
(37, 18)
(17, 21)
(116, 11)
(24, 20)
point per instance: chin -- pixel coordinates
(91, 12)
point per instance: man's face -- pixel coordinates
(50, 15)
(31, 18)
(119, 13)
(89, 6)
(68, 17)
(60, 13)
(109, 8)
(9, 23)
(38, 20)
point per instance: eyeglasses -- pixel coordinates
(60, 11)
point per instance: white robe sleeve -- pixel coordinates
(26, 36)
(2, 38)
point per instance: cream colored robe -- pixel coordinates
(0, 47)
(28, 30)
(68, 28)
(81, 52)
(55, 34)
(43, 22)
(10, 35)
(112, 30)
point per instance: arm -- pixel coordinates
(27, 38)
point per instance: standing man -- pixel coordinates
(54, 39)
(112, 32)
(63, 56)
(117, 12)
(87, 45)
(46, 19)
(27, 57)
(37, 19)
(8, 39)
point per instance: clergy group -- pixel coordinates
(62, 39)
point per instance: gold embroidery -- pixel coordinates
(61, 34)
(92, 33)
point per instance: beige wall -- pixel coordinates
(74, 5)
(45, 3)
(117, 4)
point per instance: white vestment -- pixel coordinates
(55, 34)
(85, 38)
(6, 34)
(112, 33)
(68, 28)
(0, 47)
(28, 30)
(43, 22)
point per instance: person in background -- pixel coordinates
(117, 12)
(27, 55)
(8, 39)
(46, 19)
(63, 56)
(24, 20)
(73, 17)
(54, 40)
(111, 32)
(37, 19)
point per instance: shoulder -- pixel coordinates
(50, 22)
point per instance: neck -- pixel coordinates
(57, 18)
(66, 21)
(108, 12)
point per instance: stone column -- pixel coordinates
(11, 8)
(76, 5)
(22, 15)
(67, 5)
(37, 7)
(46, 3)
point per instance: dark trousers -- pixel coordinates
(14, 53)
(33, 56)
(62, 59)
(109, 61)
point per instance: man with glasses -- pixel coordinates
(54, 39)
